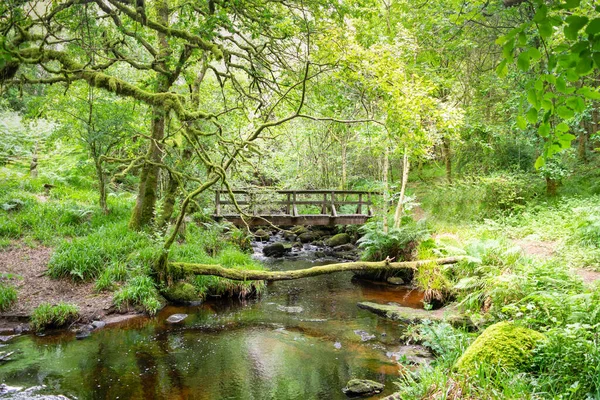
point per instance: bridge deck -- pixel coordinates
(293, 207)
(289, 220)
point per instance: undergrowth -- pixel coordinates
(53, 316)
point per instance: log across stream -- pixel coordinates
(304, 339)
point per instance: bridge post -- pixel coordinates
(324, 205)
(370, 213)
(218, 203)
(287, 205)
(359, 208)
(333, 210)
(294, 208)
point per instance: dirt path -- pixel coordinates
(27, 266)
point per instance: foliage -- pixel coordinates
(8, 296)
(181, 292)
(397, 244)
(53, 316)
(86, 258)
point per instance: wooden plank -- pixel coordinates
(288, 220)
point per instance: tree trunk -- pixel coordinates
(581, 145)
(551, 186)
(344, 166)
(33, 171)
(168, 203)
(101, 186)
(143, 211)
(447, 158)
(386, 187)
(179, 269)
(400, 207)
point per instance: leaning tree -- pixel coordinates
(215, 74)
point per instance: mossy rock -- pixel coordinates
(182, 292)
(307, 237)
(299, 230)
(338, 240)
(503, 344)
(262, 235)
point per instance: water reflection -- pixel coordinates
(227, 349)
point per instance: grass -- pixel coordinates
(8, 296)
(53, 316)
(139, 291)
(541, 292)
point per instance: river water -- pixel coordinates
(303, 339)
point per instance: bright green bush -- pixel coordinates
(49, 316)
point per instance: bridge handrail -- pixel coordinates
(328, 202)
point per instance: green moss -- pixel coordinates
(502, 344)
(337, 240)
(182, 292)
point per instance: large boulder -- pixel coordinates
(277, 249)
(503, 344)
(338, 240)
(307, 237)
(362, 387)
(262, 235)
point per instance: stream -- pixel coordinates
(302, 339)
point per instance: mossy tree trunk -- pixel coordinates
(144, 209)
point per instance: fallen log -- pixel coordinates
(180, 268)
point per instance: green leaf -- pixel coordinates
(585, 65)
(502, 68)
(561, 85)
(532, 98)
(565, 140)
(562, 127)
(532, 115)
(540, 162)
(544, 130)
(539, 85)
(523, 61)
(545, 29)
(593, 27)
(534, 54)
(508, 49)
(596, 57)
(541, 13)
(576, 103)
(564, 112)
(571, 4)
(521, 122)
(589, 93)
(572, 75)
(575, 23)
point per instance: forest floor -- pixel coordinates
(28, 267)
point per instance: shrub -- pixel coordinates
(568, 363)
(139, 291)
(49, 316)
(8, 296)
(397, 243)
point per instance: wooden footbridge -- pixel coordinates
(295, 207)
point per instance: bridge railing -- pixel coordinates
(295, 202)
